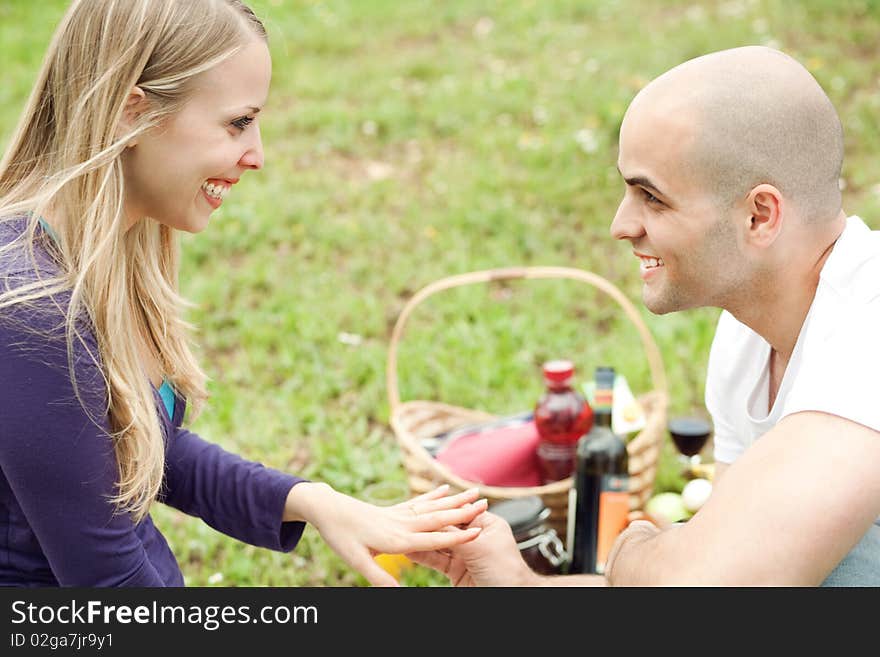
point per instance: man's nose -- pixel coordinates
(626, 224)
(253, 156)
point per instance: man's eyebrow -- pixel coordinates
(641, 181)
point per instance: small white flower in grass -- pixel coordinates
(695, 14)
(351, 339)
(539, 115)
(484, 27)
(378, 170)
(497, 66)
(732, 9)
(587, 140)
(216, 578)
(414, 151)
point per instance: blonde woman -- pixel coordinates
(144, 115)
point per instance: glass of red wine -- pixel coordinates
(690, 434)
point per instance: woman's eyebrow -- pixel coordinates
(248, 109)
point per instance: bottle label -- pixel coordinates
(603, 399)
(613, 514)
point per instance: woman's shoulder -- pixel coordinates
(34, 321)
(22, 261)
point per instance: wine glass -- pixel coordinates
(690, 434)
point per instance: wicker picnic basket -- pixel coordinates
(414, 420)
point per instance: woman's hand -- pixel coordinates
(357, 530)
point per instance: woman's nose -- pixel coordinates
(253, 156)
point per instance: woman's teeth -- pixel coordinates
(215, 190)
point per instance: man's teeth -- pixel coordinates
(215, 189)
(652, 262)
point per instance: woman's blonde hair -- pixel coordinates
(65, 156)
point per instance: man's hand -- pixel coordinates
(636, 532)
(357, 531)
(491, 559)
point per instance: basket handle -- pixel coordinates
(655, 361)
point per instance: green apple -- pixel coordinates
(666, 508)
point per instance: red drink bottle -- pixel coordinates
(562, 415)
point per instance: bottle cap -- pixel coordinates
(558, 371)
(521, 513)
(604, 374)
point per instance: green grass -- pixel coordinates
(409, 141)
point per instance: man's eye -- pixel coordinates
(243, 122)
(649, 197)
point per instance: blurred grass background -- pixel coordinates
(409, 141)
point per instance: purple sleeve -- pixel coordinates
(59, 464)
(240, 498)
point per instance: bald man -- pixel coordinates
(731, 163)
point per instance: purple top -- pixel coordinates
(58, 468)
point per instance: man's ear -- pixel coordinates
(135, 104)
(765, 204)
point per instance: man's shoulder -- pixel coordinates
(736, 350)
(852, 272)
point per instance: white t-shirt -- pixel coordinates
(835, 365)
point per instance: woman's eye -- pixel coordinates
(243, 122)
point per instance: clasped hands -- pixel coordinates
(428, 524)
(453, 534)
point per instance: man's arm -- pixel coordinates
(720, 469)
(785, 513)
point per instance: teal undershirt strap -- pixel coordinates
(167, 395)
(48, 229)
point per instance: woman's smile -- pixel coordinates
(215, 190)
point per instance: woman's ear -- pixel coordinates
(135, 104)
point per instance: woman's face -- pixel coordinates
(179, 172)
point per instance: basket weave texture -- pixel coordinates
(414, 420)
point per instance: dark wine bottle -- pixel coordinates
(601, 490)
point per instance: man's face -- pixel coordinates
(686, 247)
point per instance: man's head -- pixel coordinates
(720, 154)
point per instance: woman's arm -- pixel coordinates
(60, 467)
(240, 498)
